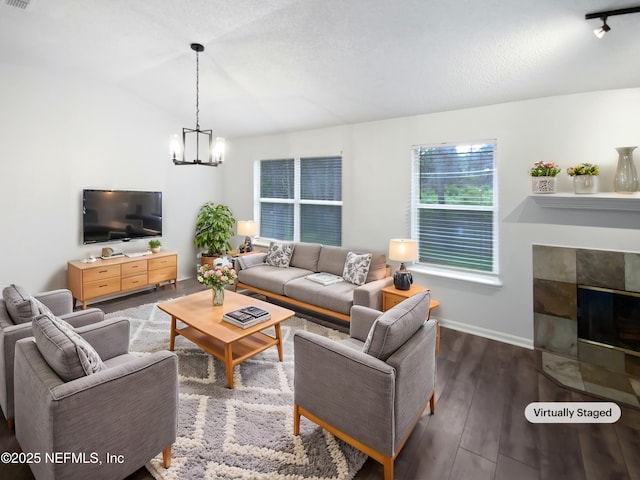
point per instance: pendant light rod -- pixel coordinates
(610, 13)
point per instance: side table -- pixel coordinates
(391, 296)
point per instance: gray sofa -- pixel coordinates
(60, 302)
(288, 282)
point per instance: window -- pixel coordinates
(300, 199)
(454, 204)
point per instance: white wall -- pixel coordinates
(62, 134)
(376, 188)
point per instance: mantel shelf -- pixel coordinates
(626, 202)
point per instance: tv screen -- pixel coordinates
(109, 215)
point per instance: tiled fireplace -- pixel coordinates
(587, 319)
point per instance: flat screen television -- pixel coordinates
(111, 215)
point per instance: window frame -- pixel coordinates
(467, 274)
(296, 201)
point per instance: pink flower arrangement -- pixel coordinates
(544, 169)
(217, 276)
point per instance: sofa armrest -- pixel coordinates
(83, 318)
(348, 389)
(60, 301)
(361, 320)
(370, 294)
(110, 337)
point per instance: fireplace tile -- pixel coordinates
(612, 393)
(600, 268)
(554, 263)
(563, 369)
(612, 360)
(632, 272)
(632, 365)
(635, 384)
(596, 375)
(555, 334)
(555, 298)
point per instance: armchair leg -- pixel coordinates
(387, 464)
(432, 401)
(11, 424)
(166, 457)
(296, 419)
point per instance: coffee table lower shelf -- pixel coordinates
(233, 353)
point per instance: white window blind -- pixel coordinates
(454, 206)
(300, 199)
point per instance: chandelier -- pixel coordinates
(197, 139)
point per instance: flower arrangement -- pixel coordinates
(583, 169)
(545, 169)
(217, 276)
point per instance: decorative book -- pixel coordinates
(247, 316)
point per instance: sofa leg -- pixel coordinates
(166, 457)
(296, 419)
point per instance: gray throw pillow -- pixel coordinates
(279, 254)
(20, 304)
(64, 350)
(356, 268)
(395, 326)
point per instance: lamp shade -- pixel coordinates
(403, 250)
(247, 228)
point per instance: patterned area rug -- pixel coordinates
(244, 433)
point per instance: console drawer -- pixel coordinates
(101, 287)
(100, 273)
(134, 268)
(135, 281)
(162, 275)
(163, 262)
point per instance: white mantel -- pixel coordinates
(629, 202)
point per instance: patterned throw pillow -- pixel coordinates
(64, 350)
(356, 268)
(279, 254)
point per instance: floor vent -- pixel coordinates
(23, 4)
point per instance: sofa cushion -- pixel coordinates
(356, 268)
(270, 278)
(395, 326)
(64, 350)
(248, 261)
(21, 306)
(306, 255)
(337, 297)
(279, 254)
(378, 267)
(332, 260)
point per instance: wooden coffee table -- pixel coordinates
(230, 344)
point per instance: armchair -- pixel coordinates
(60, 302)
(127, 409)
(370, 389)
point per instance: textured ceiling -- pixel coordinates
(281, 65)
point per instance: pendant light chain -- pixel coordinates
(197, 91)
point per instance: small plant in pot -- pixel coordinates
(585, 177)
(214, 228)
(154, 245)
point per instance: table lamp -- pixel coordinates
(249, 229)
(403, 250)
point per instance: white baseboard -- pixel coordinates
(486, 333)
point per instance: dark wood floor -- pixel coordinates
(479, 430)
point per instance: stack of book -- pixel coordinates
(324, 278)
(247, 316)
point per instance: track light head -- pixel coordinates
(602, 31)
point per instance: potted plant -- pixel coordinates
(543, 177)
(154, 245)
(585, 177)
(214, 228)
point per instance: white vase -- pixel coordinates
(585, 184)
(543, 184)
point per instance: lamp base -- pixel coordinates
(402, 280)
(248, 247)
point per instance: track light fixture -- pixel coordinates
(193, 138)
(601, 31)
